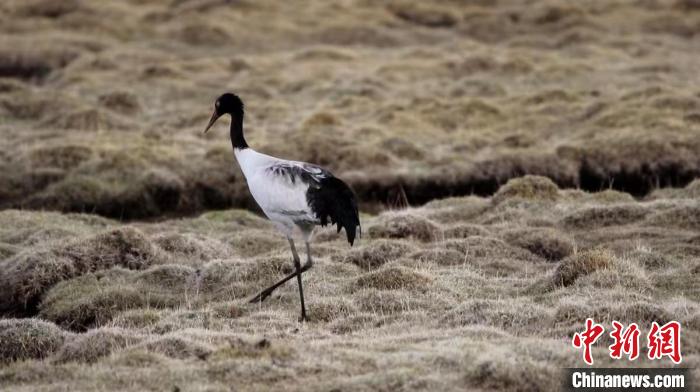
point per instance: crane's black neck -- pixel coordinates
(237, 138)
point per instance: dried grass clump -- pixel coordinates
(136, 358)
(386, 302)
(487, 248)
(238, 349)
(608, 196)
(403, 148)
(90, 119)
(423, 14)
(376, 254)
(356, 35)
(405, 225)
(353, 323)
(234, 218)
(548, 243)
(95, 344)
(456, 209)
(48, 8)
(200, 33)
(329, 309)
(229, 279)
(170, 276)
(256, 242)
(640, 312)
(63, 156)
(649, 259)
(141, 318)
(500, 371)
(529, 187)
(22, 339)
(623, 273)
(515, 315)
(605, 216)
(177, 347)
(33, 62)
(190, 247)
(611, 196)
(31, 273)
(572, 312)
(128, 186)
(195, 318)
(393, 278)
(439, 256)
(685, 217)
(88, 301)
(466, 230)
(581, 264)
(121, 102)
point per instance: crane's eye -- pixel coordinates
(218, 104)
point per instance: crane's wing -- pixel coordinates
(326, 197)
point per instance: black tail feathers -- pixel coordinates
(334, 199)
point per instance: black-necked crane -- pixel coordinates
(295, 196)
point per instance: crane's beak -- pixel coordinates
(215, 116)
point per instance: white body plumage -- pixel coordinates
(281, 197)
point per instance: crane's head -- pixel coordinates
(227, 103)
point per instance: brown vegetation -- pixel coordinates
(160, 298)
(421, 100)
(538, 103)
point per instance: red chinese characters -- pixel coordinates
(626, 341)
(665, 341)
(662, 341)
(586, 339)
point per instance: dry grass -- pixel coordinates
(404, 225)
(426, 100)
(580, 265)
(528, 188)
(487, 304)
(28, 339)
(413, 104)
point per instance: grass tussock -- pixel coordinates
(393, 278)
(527, 188)
(500, 371)
(439, 256)
(547, 243)
(88, 301)
(28, 275)
(582, 264)
(405, 225)
(376, 254)
(605, 216)
(684, 216)
(508, 316)
(177, 347)
(95, 344)
(423, 15)
(33, 63)
(24, 339)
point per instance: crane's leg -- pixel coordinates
(268, 291)
(297, 265)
